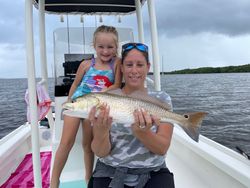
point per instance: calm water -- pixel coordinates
(226, 97)
(12, 103)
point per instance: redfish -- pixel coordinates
(122, 108)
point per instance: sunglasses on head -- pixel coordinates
(138, 46)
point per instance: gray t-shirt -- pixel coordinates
(128, 151)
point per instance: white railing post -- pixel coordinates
(139, 21)
(30, 58)
(155, 48)
(43, 59)
(43, 55)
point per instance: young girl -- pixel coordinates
(98, 74)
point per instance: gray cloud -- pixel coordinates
(192, 33)
(12, 22)
(181, 17)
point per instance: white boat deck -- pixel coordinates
(206, 164)
(74, 184)
(196, 165)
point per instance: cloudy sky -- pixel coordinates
(192, 33)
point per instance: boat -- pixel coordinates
(195, 165)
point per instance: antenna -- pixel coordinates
(83, 33)
(119, 19)
(61, 18)
(81, 19)
(95, 22)
(162, 68)
(100, 19)
(68, 33)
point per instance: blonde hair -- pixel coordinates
(107, 29)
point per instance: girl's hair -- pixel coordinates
(106, 29)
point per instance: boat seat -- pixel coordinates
(23, 175)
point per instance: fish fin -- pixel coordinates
(77, 114)
(147, 98)
(140, 95)
(194, 121)
(116, 92)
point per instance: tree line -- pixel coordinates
(203, 70)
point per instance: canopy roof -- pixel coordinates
(89, 6)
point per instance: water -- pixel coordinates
(12, 103)
(226, 97)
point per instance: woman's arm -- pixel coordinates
(158, 142)
(101, 145)
(79, 74)
(118, 76)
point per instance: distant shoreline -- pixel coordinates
(202, 70)
(207, 70)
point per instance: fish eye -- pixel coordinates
(186, 116)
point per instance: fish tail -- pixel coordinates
(193, 124)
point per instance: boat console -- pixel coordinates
(70, 65)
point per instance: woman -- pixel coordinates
(132, 156)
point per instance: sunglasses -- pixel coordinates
(138, 46)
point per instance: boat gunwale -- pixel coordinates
(225, 159)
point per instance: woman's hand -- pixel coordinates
(101, 123)
(143, 121)
(157, 142)
(101, 126)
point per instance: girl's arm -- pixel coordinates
(101, 145)
(83, 67)
(158, 142)
(118, 76)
